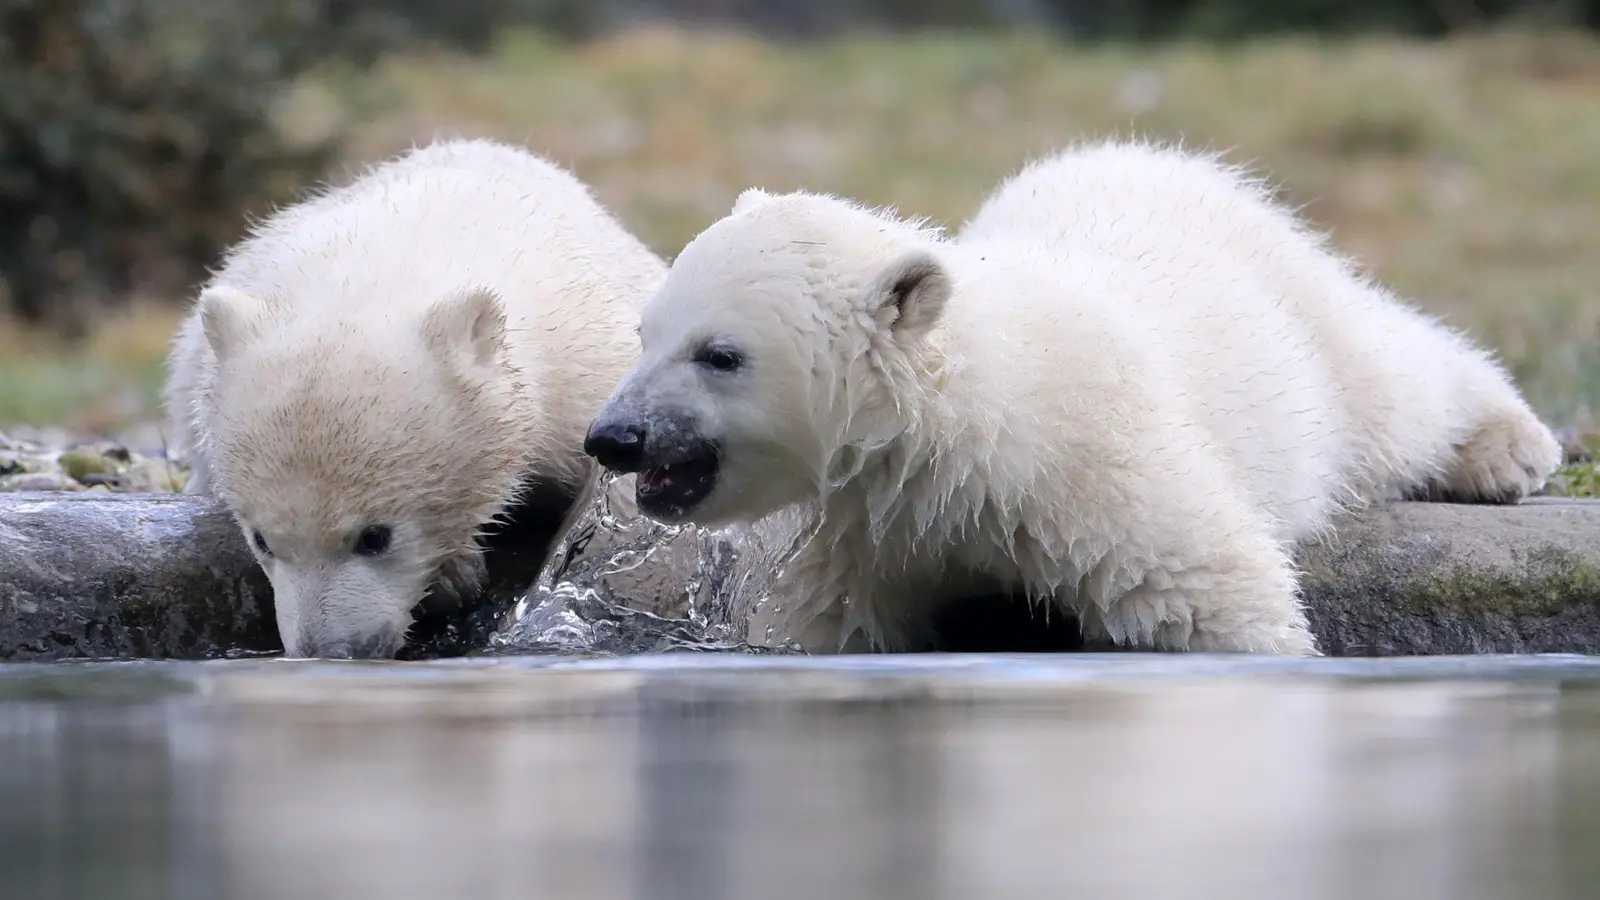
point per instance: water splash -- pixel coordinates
(618, 583)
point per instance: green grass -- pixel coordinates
(110, 380)
(1464, 173)
(1582, 478)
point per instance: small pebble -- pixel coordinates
(51, 459)
(37, 461)
(152, 476)
(148, 440)
(39, 481)
(79, 463)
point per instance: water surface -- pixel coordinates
(711, 776)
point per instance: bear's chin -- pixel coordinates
(672, 493)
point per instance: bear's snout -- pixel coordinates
(383, 643)
(618, 446)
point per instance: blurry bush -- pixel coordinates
(136, 134)
(1228, 19)
(470, 23)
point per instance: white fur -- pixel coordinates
(1128, 385)
(406, 350)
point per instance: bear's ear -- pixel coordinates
(909, 295)
(749, 199)
(227, 316)
(466, 328)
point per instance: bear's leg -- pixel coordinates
(801, 615)
(1507, 457)
(1207, 579)
(199, 482)
(827, 633)
(1481, 442)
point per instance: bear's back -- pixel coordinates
(440, 218)
(1212, 281)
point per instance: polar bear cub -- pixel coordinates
(373, 375)
(1125, 388)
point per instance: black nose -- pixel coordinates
(617, 446)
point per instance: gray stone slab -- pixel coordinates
(164, 576)
(1433, 578)
(1402, 579)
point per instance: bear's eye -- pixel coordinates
(720, 358)
(261, 543)
(373, 540)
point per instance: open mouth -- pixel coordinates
(670, 492)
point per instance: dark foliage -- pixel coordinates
(471, 23)
(135, 135)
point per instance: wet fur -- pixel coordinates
(1134, 382)
(416, 345)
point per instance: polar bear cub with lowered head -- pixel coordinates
(375, 374)
(1125, 388)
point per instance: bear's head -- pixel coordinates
(785, 340)
(361, 459)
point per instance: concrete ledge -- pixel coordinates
(165, 576)
(127, 575)
(1432, 578)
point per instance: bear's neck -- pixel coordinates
(902, 484)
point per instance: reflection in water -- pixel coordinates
(598, 781)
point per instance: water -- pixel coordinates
(706, 776)
(603, 768)
(618, 582)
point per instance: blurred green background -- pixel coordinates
(1452, 146)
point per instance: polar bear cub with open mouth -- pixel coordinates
(1126, 388)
